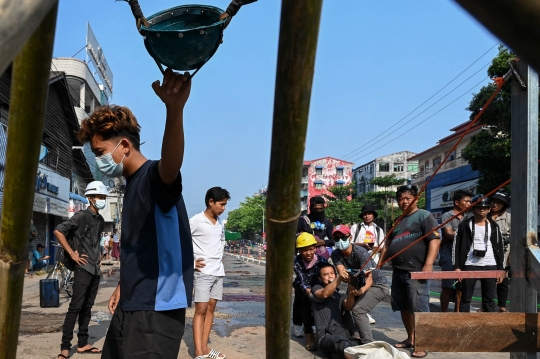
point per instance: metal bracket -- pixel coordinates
(516, 73)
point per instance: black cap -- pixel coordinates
(368, 208)
(486, 202)
(502, 196)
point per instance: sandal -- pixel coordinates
(415, 355)
(403, 345)
(214, 354)
(92, 350)
(62, 356)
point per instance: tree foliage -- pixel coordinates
(248, 217)
(489, 151)
(341, 208)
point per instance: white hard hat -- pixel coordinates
(96, 187)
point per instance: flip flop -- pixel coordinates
(201, 357)
(403, 345)
(91, 350)
(418, 355)
(63, 356)
(214, 354)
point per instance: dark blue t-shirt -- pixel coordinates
(157, 252)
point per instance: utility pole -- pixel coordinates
(524, 189)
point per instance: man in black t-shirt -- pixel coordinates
(316, 222)
(409, 295)
(156, 275)
(332, 336)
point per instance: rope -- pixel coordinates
(499, 81)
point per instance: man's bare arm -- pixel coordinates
(329, 290)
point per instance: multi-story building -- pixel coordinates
(455, 173)
(397, 164)
(320, 174)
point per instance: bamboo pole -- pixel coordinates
(29, 88)
(299, 30)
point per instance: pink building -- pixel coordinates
(320, 174)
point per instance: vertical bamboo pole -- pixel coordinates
(29, 88)
(299, 30)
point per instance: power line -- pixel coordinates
(395, 124)
(427, 118)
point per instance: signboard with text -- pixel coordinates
(51, 192)
(96, 56)
(442, 197)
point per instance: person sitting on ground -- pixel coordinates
(411, 296)
(478, 245)
(39, 261)
(327, 303)
(500, 202)
(348, 259)
(462, 200)
(306, 273)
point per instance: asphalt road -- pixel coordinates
(238, 329)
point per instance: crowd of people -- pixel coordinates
(475, 238)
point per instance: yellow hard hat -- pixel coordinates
(305, 239)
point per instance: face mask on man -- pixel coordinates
(100, 203)
(342, 244)
(107, 166)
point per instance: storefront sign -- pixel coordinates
(51, 193)
(442, 197)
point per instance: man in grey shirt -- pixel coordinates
(462, 199)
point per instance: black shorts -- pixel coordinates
(145, 334)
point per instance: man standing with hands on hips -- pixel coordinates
(208, 236)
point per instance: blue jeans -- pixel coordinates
(40, 264)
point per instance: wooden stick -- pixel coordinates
(456, 275)
(298, 34)
(29, 88)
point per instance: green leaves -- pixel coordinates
(248, 218)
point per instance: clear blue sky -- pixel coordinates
(376, 62)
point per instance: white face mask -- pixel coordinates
(107, 166)
(100, 203)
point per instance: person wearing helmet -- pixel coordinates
(157, 269)
(478, 245)
(500, 202)
(305, 269)
(80, 236)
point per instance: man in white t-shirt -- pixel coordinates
(478, 245)
(368, 234)
(208, 236)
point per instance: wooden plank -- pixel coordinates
(477, 332)
(456, 275)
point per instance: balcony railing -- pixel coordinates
(448, 165)
(303, 193)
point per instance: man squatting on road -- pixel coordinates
(82, 256)
(208, 235)
(305, 269)
(411, 296)
(156, 275)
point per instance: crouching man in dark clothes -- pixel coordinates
(328, 304)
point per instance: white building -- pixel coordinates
(396, 163)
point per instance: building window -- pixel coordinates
(398, 167)
(318, 171)
(426, 164)
(371, 168)
(451, 157)
(384, 166)
(339, 171)
(413, 167)
(339, 184)
(304, 171)
(436, 161)
(318, 185)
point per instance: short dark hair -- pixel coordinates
(322, 265)
(407, 188)
(40, 245)
(316, 200)
(217, 194)
(460, 193)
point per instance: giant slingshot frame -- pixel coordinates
(26, 38)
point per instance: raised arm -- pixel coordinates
(174, 93)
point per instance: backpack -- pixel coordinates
(75, 243)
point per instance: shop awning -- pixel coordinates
(78, 198)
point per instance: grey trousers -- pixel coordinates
(364, 304)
